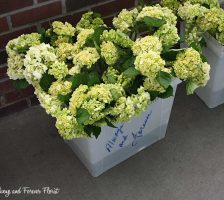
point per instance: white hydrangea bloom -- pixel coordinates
(37, 61)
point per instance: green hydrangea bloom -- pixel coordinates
(211, 3)
(65, 29)
(149, 64)
(74, 70)
(189, 12)
(77, 99)
(210, 20)
(16, 50)
(83, 36)
(58, 69)
(23, 43)
(87, 57)
(66, 51)
(117, 37)
(125, 20)
(220, 37)
(109, 52)
(50, 103)
(168, 35)
(189, 66)
(95, 109)
(67, 125)
(60, 33)
(193, 35)
(89, 21)
(153, 85)
(145, 44)
(171, 4)
(151, 11)
(60, 87)
(158, 12)
(126, 107)
(113, 76)
(141, 100)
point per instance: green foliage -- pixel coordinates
(94, 40)
(92, 130)
(167, 94)
(82, 116)
(115, 94)
(84, 78)
(164, 79)
(20, 84)
(190, 87)
(109, 123)
(46, 81)
(150, 24)
(65, 98)
(131, 72)
(171, 54)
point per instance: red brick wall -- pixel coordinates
(25, 16)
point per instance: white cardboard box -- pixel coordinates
(213, 93)
(116, 145)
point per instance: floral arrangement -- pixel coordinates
(93, 75)
(200, 16)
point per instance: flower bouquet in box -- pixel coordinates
(204, 31)
(93, 75)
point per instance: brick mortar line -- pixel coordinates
(14, 29)
(38, 25)
(4, 79)
(28, 8)
(3, 65)
(5, 105)
(9, 22)
(63, 5)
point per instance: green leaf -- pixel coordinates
(93, 79)
(153, 22)
(171, 54)
(203, 58)
(22, 49)
(46, 81)
(111, 79)
(141, 3)
(115, 94)
(153, 95)
(203, 42)
(65, 98)
(131, 72)
(128, 63)
(167, 94)
(196, 46)
(136, 83)
(109, 123)
(164, 79)
(79, 79)
(20, 84)
(92, 130)
(190, 87)
(82, 116)
(94, 40)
